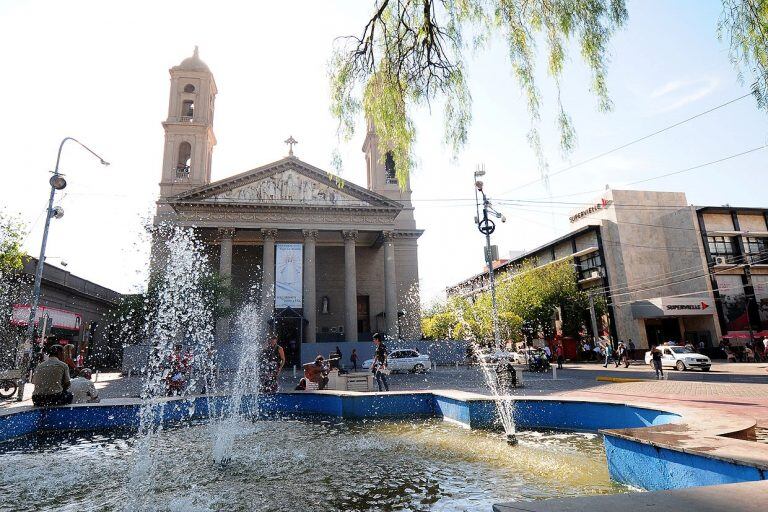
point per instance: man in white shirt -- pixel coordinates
(83, 389)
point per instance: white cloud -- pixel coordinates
(679, 93)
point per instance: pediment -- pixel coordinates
(286, 183)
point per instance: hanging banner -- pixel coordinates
(288, 275)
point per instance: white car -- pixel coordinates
(680, 358)
(404, 360)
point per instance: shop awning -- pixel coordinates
(60, 318)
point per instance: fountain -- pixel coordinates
(235, 417)
(180, 315)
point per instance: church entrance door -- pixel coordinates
(289, 328)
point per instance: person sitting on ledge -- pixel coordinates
(316, 372)
(51, 380)
(82, 388)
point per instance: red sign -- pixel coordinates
(60, 318)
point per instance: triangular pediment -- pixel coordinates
(287, 182)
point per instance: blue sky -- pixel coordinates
(98, 71)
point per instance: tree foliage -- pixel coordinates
(527, 298)
(411, 53)
(135, 317)
(11, 238)
(744, 24)
(12, 284)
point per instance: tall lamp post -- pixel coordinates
(486, 226)
(57, 182)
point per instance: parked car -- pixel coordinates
(681, 358)
(404, 360)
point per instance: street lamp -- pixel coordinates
(57, 182)
(486, 226)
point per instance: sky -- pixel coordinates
(98, 71)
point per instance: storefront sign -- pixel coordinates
(602, 205)
(673, 306)
(288, 275)
(60, 318)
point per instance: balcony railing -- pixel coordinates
(182, 171)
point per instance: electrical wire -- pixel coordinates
(630, 143)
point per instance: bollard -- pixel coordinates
(554, 372)
(294, 371)
(457, 364)
(96, 377)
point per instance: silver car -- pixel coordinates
(405, 360)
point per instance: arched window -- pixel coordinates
(189, 88)
(187, 110)
(185, 160)
(389, 167)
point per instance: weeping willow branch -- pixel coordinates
(410, 53)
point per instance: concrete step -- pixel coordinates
(742, 497)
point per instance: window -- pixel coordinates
(184, 161)
(757, 249)
(187, 110)
(389, 168)
(189, 88)
(589, 263)
(721, 246)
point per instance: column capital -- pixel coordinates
(269, 234)
(350, 234)
(310, 233)
(389, 236)
(226, 232)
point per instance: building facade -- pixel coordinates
(327, 260)
(77, 308)
(667, 270)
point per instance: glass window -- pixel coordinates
(588, 263)
(189, 88)
(757, 249)
(721, 246)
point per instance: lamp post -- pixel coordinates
(486, 226)
(57, 182)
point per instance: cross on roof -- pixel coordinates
(290, 141)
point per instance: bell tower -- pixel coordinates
(189, 137)
(382, 178)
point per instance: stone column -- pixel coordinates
(310, 293)
(268, 273)
(225, 271)
(350, 286)
(390, 284)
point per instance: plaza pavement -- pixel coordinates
(735, 387)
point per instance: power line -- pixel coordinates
(630, 143)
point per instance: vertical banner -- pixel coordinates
(288, 275)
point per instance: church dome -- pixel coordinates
(193, 63)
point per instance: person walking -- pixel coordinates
(273, 360)
(559, 355)
(608, 348)
(353, 359)
(656, 362)
(621, 355)
(379, 366)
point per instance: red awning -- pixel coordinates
(60, 318)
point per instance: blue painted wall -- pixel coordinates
(656, 469)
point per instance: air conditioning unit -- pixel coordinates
(595, 274)
(721, 260)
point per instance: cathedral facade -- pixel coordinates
(327, 260)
